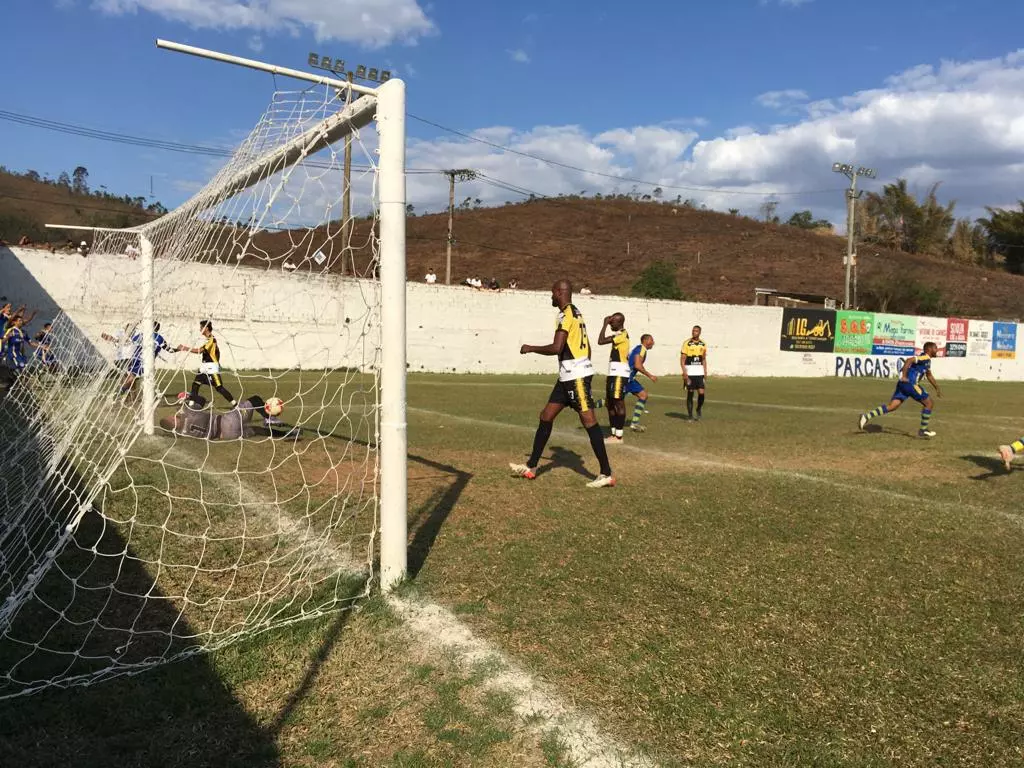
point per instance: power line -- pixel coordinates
(151, 143)
(628, 179)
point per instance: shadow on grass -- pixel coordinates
(86, 612)
(428, 519)
(680, 416)
(992, 464)
(568, 459)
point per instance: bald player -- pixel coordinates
(575, 373)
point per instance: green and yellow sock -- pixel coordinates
(926, 416)
(638, 410)
(879, 411)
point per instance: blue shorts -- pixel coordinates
(634, 387)
(16, 362)
(905, 390)
(134, 367)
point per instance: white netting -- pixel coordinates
(119, 550)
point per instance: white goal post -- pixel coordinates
(143, 527)
(390, 116)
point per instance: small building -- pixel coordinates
(769, 297)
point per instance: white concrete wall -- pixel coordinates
(280, 320)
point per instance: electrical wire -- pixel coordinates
(628, 179)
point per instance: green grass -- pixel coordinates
(769, 587)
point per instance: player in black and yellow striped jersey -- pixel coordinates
(616, 385)
(571, 346)
(209, 369)
(693, 359)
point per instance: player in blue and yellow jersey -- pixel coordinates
(133, 368)
(575, 373)
(909, 387)
(209, 369)
(637, 358)
(14, 344)
(618, 373)
(43, 344)
(693, 359)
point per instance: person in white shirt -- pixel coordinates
(431, 277)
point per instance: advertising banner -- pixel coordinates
(935, 330)
(807, 330)
(1004, 341)
(855, 332)
(956, 337)
(979, 338)
(894, 335)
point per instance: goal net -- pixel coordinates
(171, 488)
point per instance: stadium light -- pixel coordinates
(852, 173)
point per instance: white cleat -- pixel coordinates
(638, 427)
(602, 481)
(863, 421)
(927, 433)
(521, 470)
(1006, 454)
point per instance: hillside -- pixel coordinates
(718, 257)
(26, 206)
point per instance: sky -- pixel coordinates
(726, 102)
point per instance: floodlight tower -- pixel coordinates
(851, 172)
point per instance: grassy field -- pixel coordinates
(767, 587)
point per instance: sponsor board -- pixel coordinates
(855, 332)
(894, 335)
(1004, 341)
(807, 330)
(933, 330)
(956, 337)
(979, 338)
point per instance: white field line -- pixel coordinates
(691, 460)
(439, 630)
(655, 397)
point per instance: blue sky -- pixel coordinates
(695, 96)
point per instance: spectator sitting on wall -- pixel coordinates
(431, 276)
(24, 240)
(494, 285)
(83, 248)
(513, 283)
(585, 291)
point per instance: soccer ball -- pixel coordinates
(273, 406)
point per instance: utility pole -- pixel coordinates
(852, 194)
(462, 174)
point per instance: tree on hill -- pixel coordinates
(64, 180)
(1004, 233)
(968, 242)
(806, 220)
(658, 281)
(80, 180)
(899, 221)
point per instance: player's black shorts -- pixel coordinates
(616, 387)
(695, 382)
(209, 379)
(575, 394)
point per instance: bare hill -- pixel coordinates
(718, 257)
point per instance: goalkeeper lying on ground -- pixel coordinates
(236, 424)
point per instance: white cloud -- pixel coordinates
(961, 123)
(370, 23)
(519, 55)
(781, 99)
(255, 43)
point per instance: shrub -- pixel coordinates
(658, 281)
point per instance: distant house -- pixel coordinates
(769, 297)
